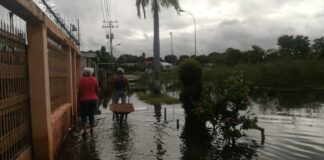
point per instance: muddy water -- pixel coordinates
(294, 125)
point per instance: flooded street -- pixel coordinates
(293, 131)
(145, 135)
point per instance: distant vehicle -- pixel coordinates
(165, 66)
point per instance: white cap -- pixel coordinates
(88, 70)
(120, 70)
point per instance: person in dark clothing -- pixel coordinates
(88, 96)
(120, 87)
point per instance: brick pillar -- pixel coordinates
(41, 123)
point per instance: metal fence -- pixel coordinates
(15, 130)
(67, 27)
(58, 73)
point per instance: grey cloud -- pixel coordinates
(319, 15)
(214, 33)
(229, 22)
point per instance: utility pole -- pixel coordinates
(172, 60)
(110, 25)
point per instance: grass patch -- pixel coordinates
(138, 86)
(154, 99)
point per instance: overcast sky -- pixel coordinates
(220, 24)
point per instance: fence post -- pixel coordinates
(41, 122)
(75, 86)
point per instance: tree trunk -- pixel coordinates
(156, 48)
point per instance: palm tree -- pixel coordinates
(156, 5)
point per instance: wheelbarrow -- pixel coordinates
(120, 111)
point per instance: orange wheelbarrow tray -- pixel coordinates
(121, 108)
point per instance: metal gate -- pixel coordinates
(15, 133)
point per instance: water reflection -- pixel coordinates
(122, 141)
(293, 121)
(159, 133)
(81, 149)
(157, 112)
(300, 103)
(198, 144)
(291, 98)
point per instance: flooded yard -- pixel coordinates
(293, 131)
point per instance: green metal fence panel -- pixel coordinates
(15, 133)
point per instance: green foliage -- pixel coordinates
(190, 75)
(138, 86)
(233, 56)
(182, 58)
(171, 59)
(222, 105)
(156, 5)
(280, 74)
(318, 46)
(255, 55)
(286, 43)
(155, 99)
(126, 58)
(190, 72)
(170, 81)
(299, 45)
(203, 59)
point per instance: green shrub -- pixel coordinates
(221, 105)
(280, 74)
(190, 75)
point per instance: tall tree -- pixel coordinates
(233, 56)
(301, 45)
(156, 5)
(286, 44)
(170, 59)
(298, 45)
(255, 55)
(318, 46)
(182, 57)
(103, 50)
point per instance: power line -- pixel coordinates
(102, 10)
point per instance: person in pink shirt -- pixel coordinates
(88, 96)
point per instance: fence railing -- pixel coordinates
(49, 8)
(14, 93)
(58, 73)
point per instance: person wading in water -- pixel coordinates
(120, 88)
(88, 96)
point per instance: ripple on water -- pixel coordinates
(291, 138)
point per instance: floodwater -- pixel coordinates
(293, 123)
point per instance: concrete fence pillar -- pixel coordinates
(41, 124)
